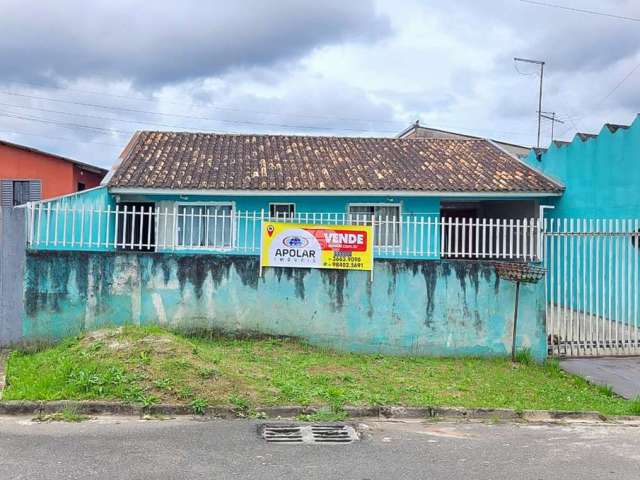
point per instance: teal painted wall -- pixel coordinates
(85, 230)
(602, 178)
(601, 175)
(444, 308)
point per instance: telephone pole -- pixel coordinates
(541, 63)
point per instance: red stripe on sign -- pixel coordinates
(340, 240)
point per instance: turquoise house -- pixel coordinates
(173, 236)
(197, 193)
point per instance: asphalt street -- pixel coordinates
(130, 448)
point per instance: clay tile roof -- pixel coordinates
(208, 161)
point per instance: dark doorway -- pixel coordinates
(136, 226)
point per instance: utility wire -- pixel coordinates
(212, 107)
(61, 139)
(194, 117)
(580, 10)
(65, 124)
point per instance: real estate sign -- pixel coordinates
(345, 247)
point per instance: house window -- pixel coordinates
(205, 226)
(282, 211)
(388, 222)
(81, 187)
(19, 192)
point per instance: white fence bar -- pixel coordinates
(592, 287)
(217, 227)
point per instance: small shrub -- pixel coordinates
(635, 406)
(207, 373)
(198, 406)
(605, 390)
(525, 357)
(552, 365)
(163, 384)
(241, 405)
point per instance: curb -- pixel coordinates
(3, 359)
(19, 407)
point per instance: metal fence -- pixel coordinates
(592, 287)
(218, 228)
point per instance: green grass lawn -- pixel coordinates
(150, 365)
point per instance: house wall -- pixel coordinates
(58, 177)
(70, 213)
(411, 307)
(601, 175)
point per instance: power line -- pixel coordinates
(603, 99)
(580, 10)
(212, 107)
(194, 117)
(96, 117)
(65, 124)
(62, 139)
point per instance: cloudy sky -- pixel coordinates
(78, 78)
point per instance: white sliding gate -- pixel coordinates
(592, 287)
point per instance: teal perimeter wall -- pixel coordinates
(443, 308)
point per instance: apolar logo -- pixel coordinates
(295, 247)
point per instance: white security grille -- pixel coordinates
(592, 287)
(222, 228)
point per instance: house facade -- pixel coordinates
(174, 234)
(191, 192)
(28, 174)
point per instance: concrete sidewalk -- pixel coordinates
(622, 374)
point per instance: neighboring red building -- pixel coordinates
(28, 174)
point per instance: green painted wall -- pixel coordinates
(412, 307)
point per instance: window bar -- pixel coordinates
(565, 283)
(106, 227)
(132, 227)
(517, 237)
(590, 290)
(222, 237)
(477, 233)
(570, 305)
(629, 256)
(64, 225)
(82, 226)
(55, 224)
(552, 289)
(99, 233)
(32, 222)
(424, 249)
(616, 290)
(579, 273)
(47, 225)
(124, 227)
(246, 228)
(386, 235)
(463, 235)
(115, 227)
(149, 218)
(635, 282)
(90, 213)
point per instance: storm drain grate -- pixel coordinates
(319, 433)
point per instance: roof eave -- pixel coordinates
(341, 193)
